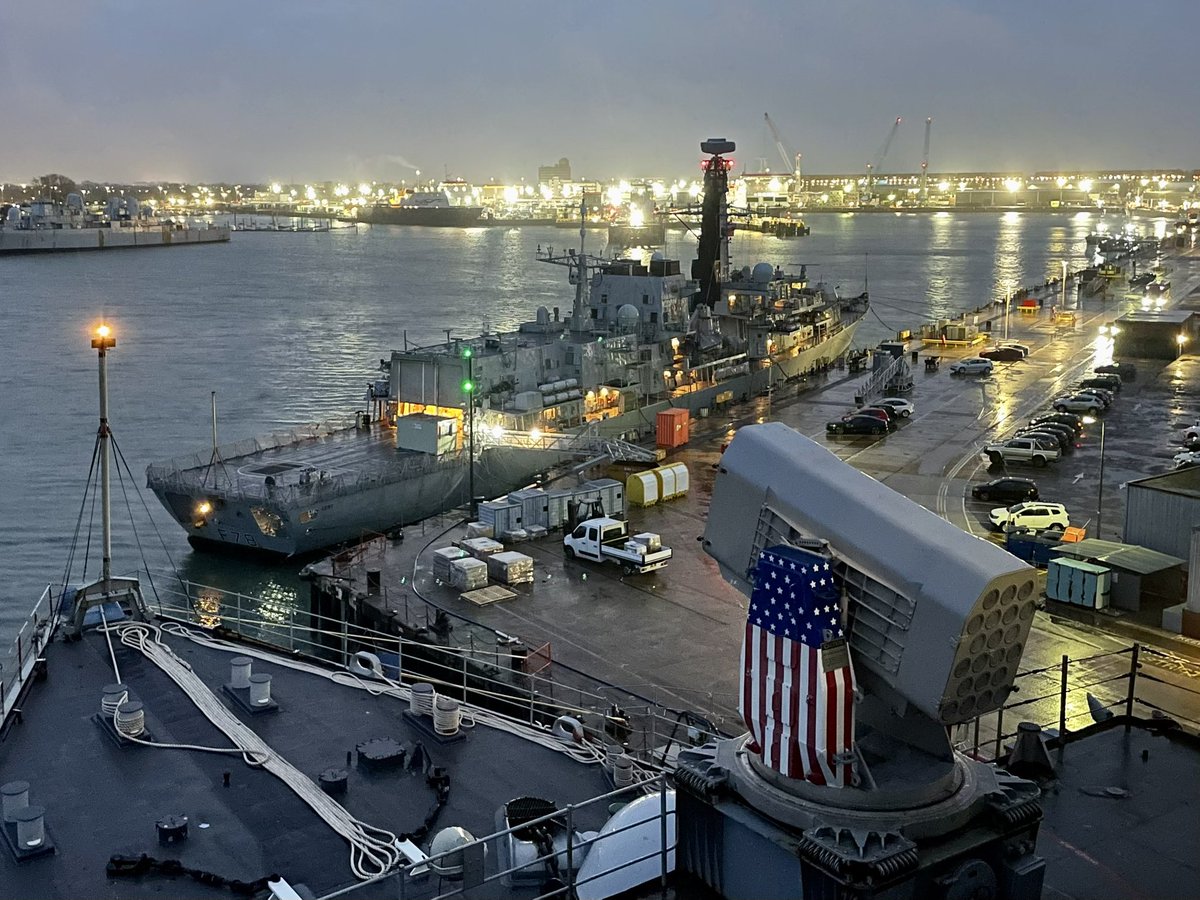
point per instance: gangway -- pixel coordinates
(585, 443)
(887, 377)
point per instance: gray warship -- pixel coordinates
(641, 337)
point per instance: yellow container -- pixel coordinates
(641, 488)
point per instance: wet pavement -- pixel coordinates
(674, 636)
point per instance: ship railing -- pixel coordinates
(22, 659)
(470, 662)
(470, 866)
(1075, 696)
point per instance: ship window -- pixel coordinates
(645, 299)
(307, 515)
(604, 298)
(268, 521)
(593, 313)
(653, 318)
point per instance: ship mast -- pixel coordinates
(711, 266)
(102, 343)
(578, 315)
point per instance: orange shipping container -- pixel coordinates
(672, 427)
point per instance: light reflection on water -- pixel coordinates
(288, 328)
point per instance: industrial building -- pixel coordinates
(1162, 510)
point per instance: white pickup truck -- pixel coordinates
(1019, 450)
(608, 540)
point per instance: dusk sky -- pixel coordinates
(300, 90)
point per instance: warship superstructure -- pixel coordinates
(642, 337)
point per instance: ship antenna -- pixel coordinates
(102, 343)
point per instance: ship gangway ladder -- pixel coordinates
(877, 384)
(588, 442)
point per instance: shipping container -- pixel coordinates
(672, 427)
(1078, 583)
(424, 433)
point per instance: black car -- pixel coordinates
(1002, 354)
(1057, 428)
(1107, 382)
(875, 411)
(1006, 490)
(856, 424)
(1125, 370)
(1106, 396)
(1056, 439)
(1072, 421)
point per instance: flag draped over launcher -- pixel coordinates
(798, 683)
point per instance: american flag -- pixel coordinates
(798, 683)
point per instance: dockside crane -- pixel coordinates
(925, 163)
(873, 166)
(791, 164)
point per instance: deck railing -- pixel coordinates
(468, 661)
(19, 662)
(1077, 693)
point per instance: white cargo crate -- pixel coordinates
(469, 573)
(510, 567)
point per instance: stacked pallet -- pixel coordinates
(468, 573)
(479, 529)
(480, 547)
(510, 568)
(442, 557)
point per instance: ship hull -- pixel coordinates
(68, 240)
(429, 217)
(316, 517)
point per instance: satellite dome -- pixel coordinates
(746, 272)
(543, 316)
(764, 271)
(628, 317)
(657, 256)
(450, 840)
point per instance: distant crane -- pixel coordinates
(873, 167)
(790, 165)
(925, 163)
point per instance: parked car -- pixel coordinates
(1187, 459)
(1012, 490)
(1002, 354)
(856, 424)
(1033, 515)
(882, 413)
(1108, 382)
(1056, 428)
(972, 365)
(903, 408)
(1105, 397)
(1024, 348)
(1072, 421)
(1083, 403)
(1020, 450)
(1125, 370)
(1050, 439)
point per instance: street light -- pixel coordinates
(1180, 339)
(469, 389)
(1090, 420)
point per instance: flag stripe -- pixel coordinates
(800, 716)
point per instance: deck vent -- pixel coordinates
(334, 781)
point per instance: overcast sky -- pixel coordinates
(307, 90)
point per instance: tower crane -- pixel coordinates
(791, 165)
(873, 167)
(925, 163)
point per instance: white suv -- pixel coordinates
(1032, 515)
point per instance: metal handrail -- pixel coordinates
(18, 661)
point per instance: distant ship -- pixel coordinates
(46, 226)
(642, 338)
(429, 208)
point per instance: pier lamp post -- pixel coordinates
(102, 343)
(1180, 340)
(1091, 420)
(469, 390)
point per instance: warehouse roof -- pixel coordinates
(1115, 555)
(1181, 481)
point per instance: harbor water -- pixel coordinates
(288, 328)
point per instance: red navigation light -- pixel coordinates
(704, 164)
(728, 163)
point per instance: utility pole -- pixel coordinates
(469, 390)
